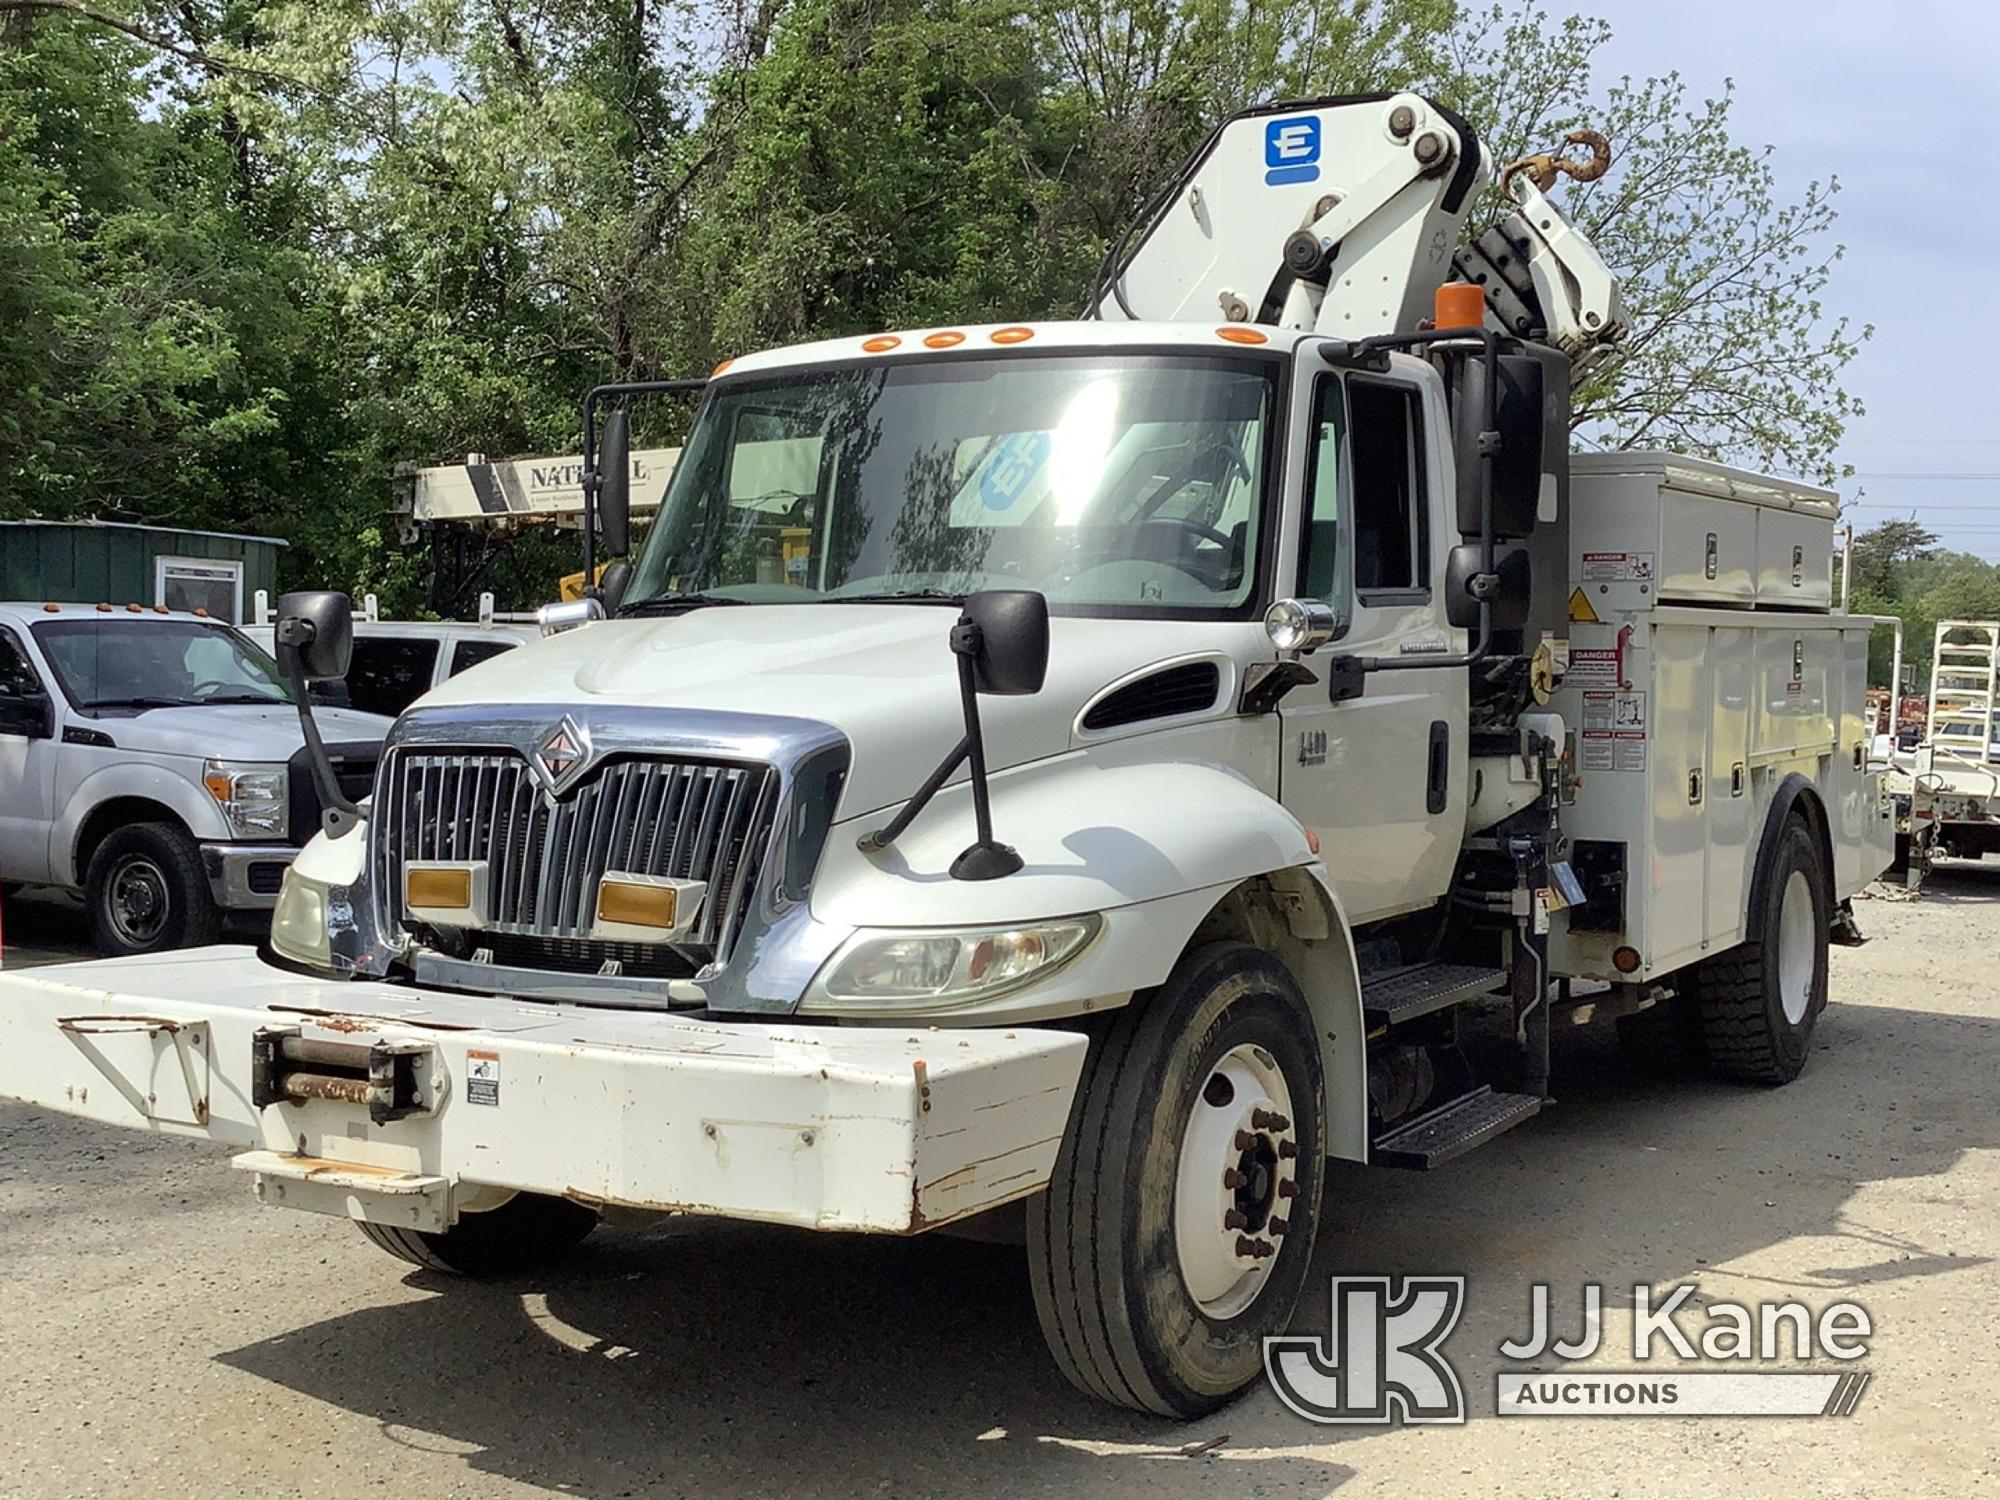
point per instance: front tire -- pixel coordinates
(1759, 1000)
(528, 1231)
(1178, 1226)
(146, 891)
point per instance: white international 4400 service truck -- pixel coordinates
(1093, 771)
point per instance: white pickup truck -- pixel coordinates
(153, 761)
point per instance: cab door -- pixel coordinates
(28, 751)
(1380, 778)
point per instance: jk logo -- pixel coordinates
(1382, 1360)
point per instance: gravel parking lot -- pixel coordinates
(163, 1333)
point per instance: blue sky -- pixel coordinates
(1899, 101)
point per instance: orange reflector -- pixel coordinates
(104, 609)
(1625, 960)
(134, 609)
(1011, 335)
(638, 905)
(945, 339)
(202, 613)
(438, 890)
(712, 374)
(1238, 335)
(882, 343)
(1312, 841)
(218, 787)
(52, 609)
(1460, 304)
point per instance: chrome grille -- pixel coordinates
(691, 820)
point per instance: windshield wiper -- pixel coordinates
(140, 703)
(898, 596)
(661, 604)
(242, 698)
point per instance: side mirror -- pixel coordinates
(1006, 633)
(1532, 417)
(33, 715)
(1513, 590)
(315, 635)
(614, 484)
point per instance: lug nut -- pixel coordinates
(1287, 1150)
(1280, 1227)
(1254, 1249)
(1233, 1179)
(1233, 1219)
(1245, 1140)
(1264, 1119)
(1288, 1189)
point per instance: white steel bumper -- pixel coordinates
(891, 1130)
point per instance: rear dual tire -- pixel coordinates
(1177, 1229)
(1757, 1003)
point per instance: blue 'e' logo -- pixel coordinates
(1291, 150)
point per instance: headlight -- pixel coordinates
(252, 797)
(901, 973)
(298, 925)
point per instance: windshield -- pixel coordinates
(138, 663)
(1120, 484)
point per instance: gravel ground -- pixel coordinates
(161, 1332)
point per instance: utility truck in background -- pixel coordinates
(1091, 770)
(1946, 788)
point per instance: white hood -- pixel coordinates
(882, 674)
(238, 731)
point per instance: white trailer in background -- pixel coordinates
(1947, 789)
(1097, 769)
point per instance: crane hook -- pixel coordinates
(1543, 167)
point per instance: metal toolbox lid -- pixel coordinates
(1700, 476)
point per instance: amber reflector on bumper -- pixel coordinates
(638, 905)
(438, 890)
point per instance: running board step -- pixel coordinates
(1436, 1136)
(1398, 995)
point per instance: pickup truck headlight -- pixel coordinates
(903, 973)
(252, 798)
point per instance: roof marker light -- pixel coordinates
(1236, 334)
(1014, 335)
(720, 369)
(882, 343)
(944, 339)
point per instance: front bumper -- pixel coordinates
(245, 877)
(891, 1130)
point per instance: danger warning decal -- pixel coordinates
(482, 1077)
(1614, 731)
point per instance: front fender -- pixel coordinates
(1156, 847)
(187, 800)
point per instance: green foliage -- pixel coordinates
(255, 253)
(1899, 571)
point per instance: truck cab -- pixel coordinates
(152, 761)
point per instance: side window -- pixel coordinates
(387, 675)
(472, 653)
(1385, 449)
(17, 674)
(1320, 550)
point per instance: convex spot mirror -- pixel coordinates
(315, 634)
(1006, 633)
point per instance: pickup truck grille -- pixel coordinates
(689, 819)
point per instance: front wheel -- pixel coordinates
(1759, 1000)
(1178, 1226)
(146, 891)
